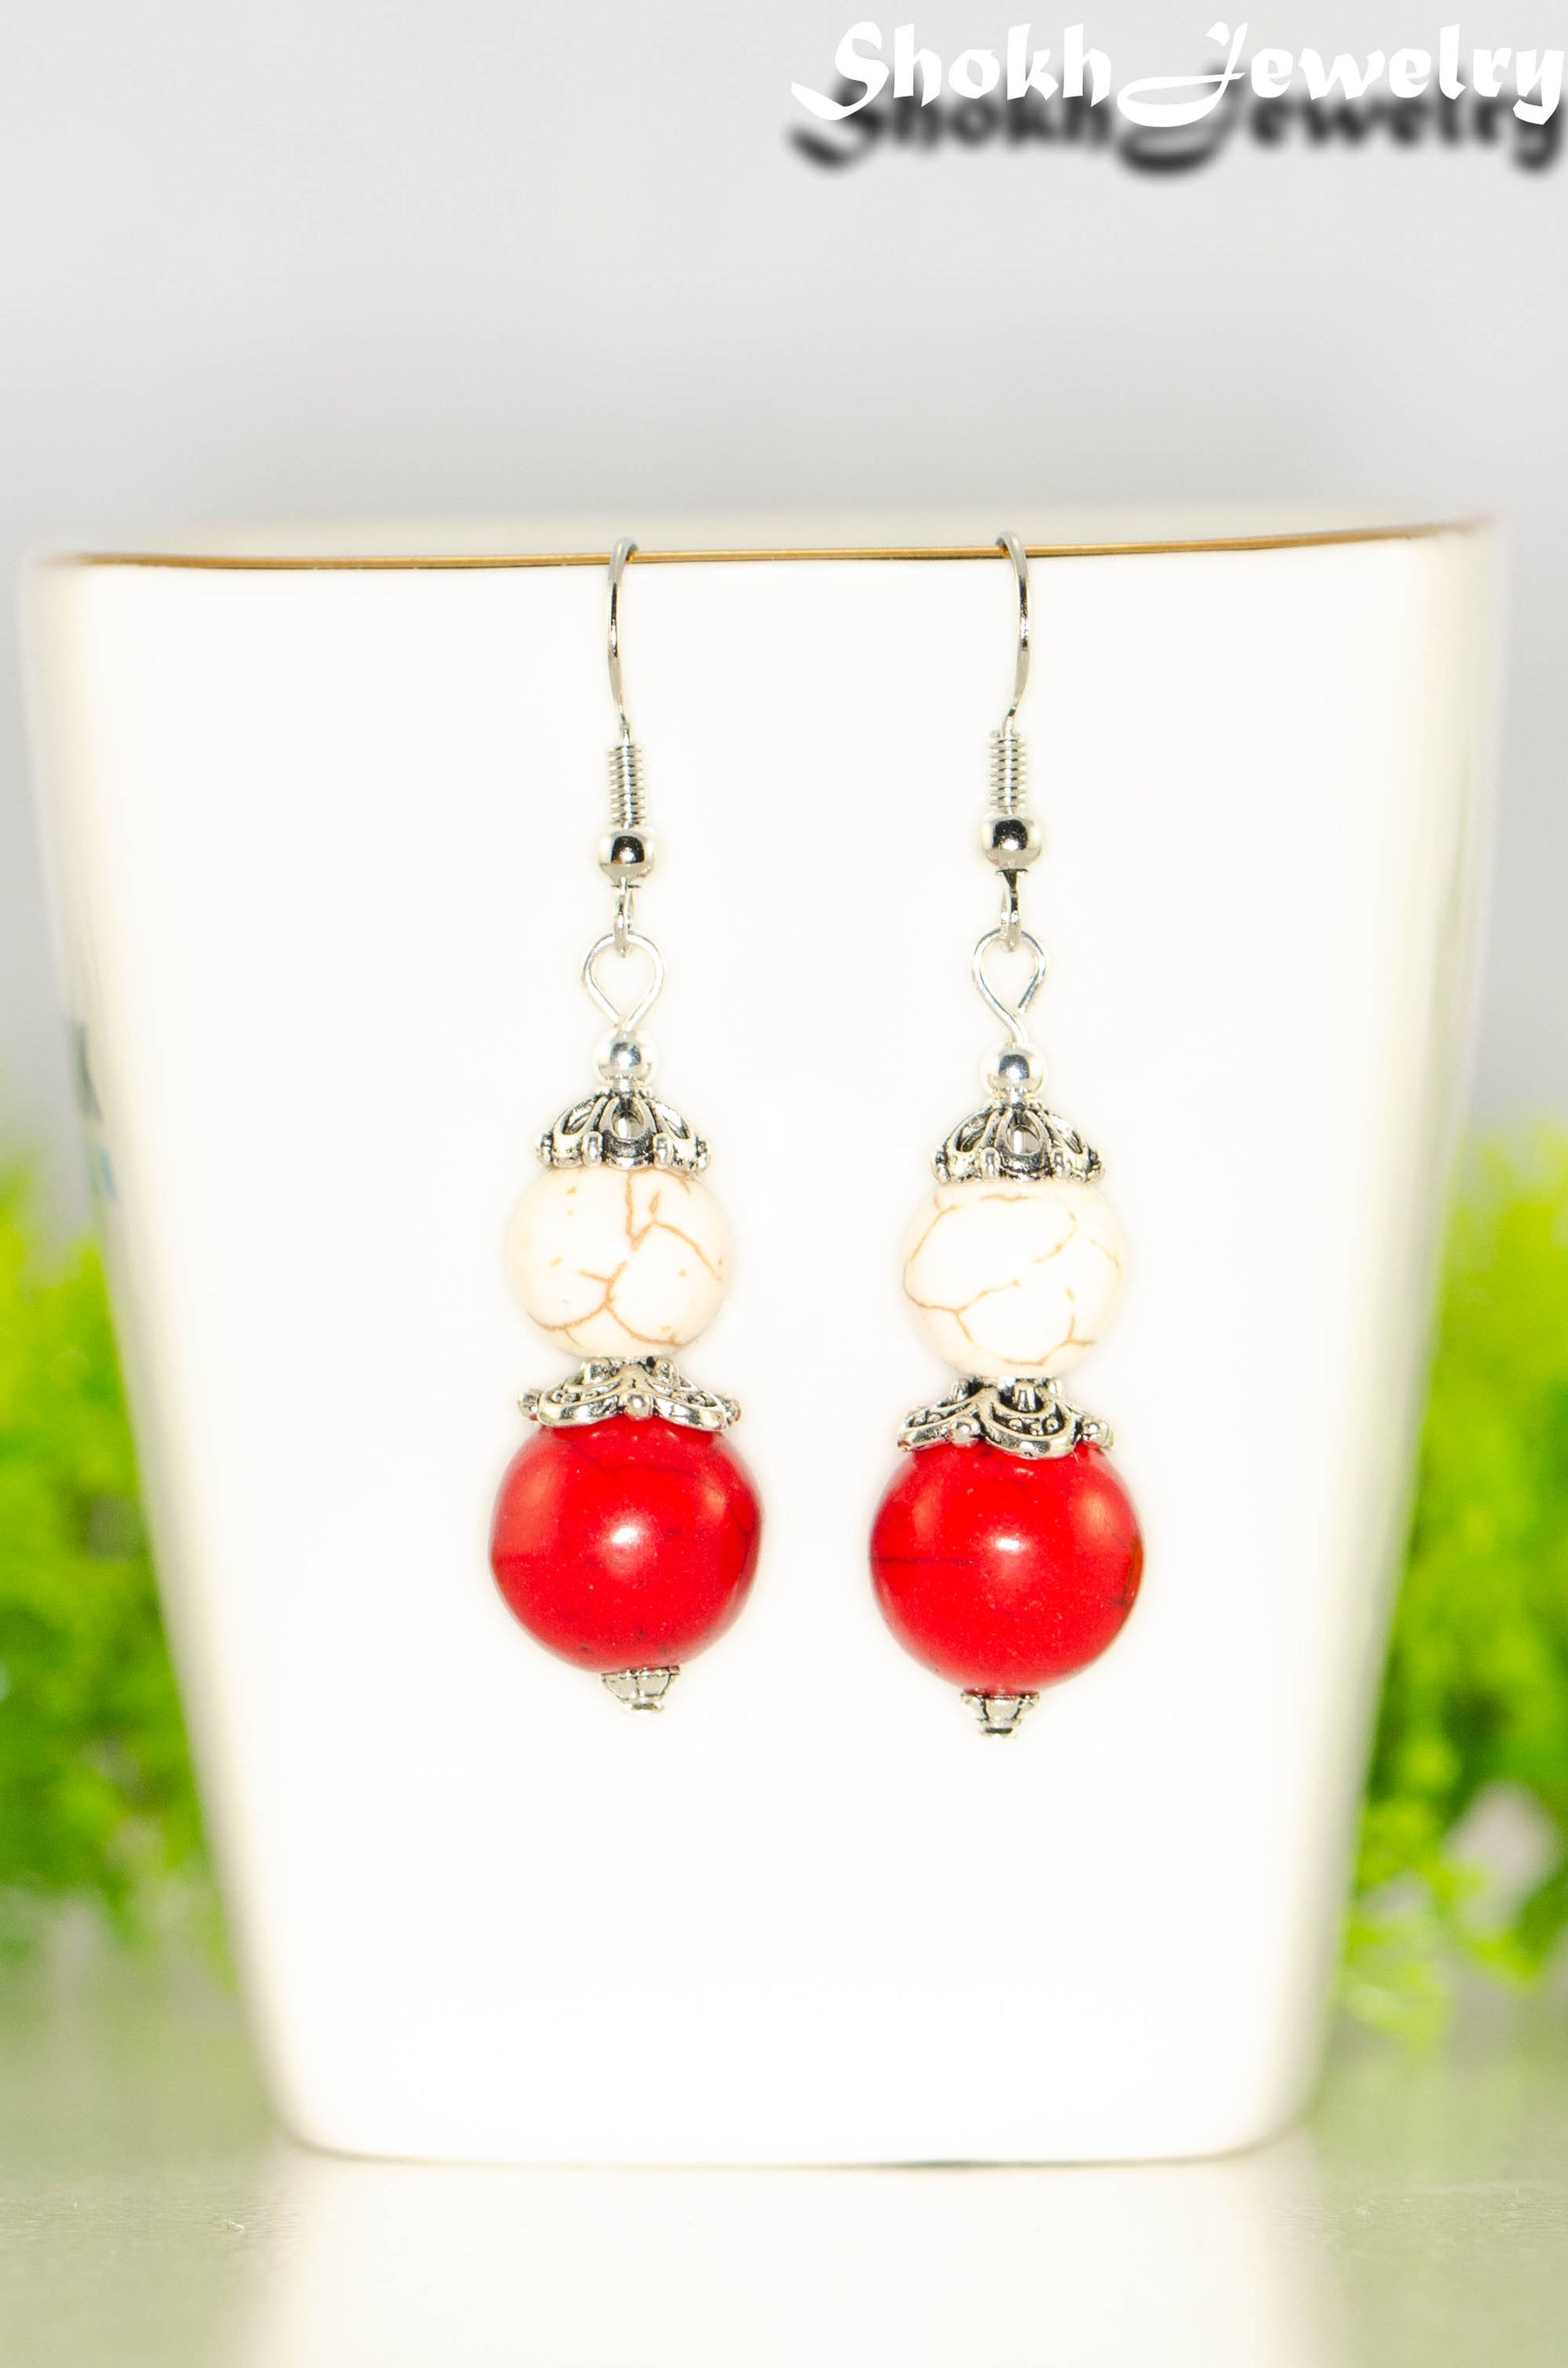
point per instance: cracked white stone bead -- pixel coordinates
(614, 1262)
(1008, 1278)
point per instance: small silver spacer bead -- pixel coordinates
(626, 856)
(623, 1060)
(1016, 1072)
(1011, 841)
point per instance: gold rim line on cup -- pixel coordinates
(370, 563)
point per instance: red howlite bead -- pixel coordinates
(1001, 1573)
(625, 1545)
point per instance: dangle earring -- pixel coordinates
(1006, 1555)
(626, 1531)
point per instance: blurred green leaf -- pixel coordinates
(95, 1796)
(1476, 1695)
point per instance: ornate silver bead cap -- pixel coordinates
(638, 1386)
(1014, 1136)
(1026, 1418)
(997, 1714)
(619, 1126)
(640, 1689)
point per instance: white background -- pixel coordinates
(351, 257)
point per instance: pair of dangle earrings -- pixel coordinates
(1006, 1554)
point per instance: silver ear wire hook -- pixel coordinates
(1010, 837)
(626, 852)
(620, 1122)
(1010, 543)
(1011, 841)
(618, 559)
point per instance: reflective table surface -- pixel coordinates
(150, 2212)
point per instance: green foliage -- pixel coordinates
(1476, 1695)
(95, 1796)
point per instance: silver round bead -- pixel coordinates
(1011, 841)
(626, 856)
(1017, 1070)
(623, 1060)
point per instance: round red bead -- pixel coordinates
(1002, 1573)
(625, 1545)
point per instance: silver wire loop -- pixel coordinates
(618, 559)
(630, 1017)
(1011, 1015)
(1010, 543)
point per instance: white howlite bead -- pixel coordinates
(619, 1262)
(1010, 1277)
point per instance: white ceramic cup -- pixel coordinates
(322, 843)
